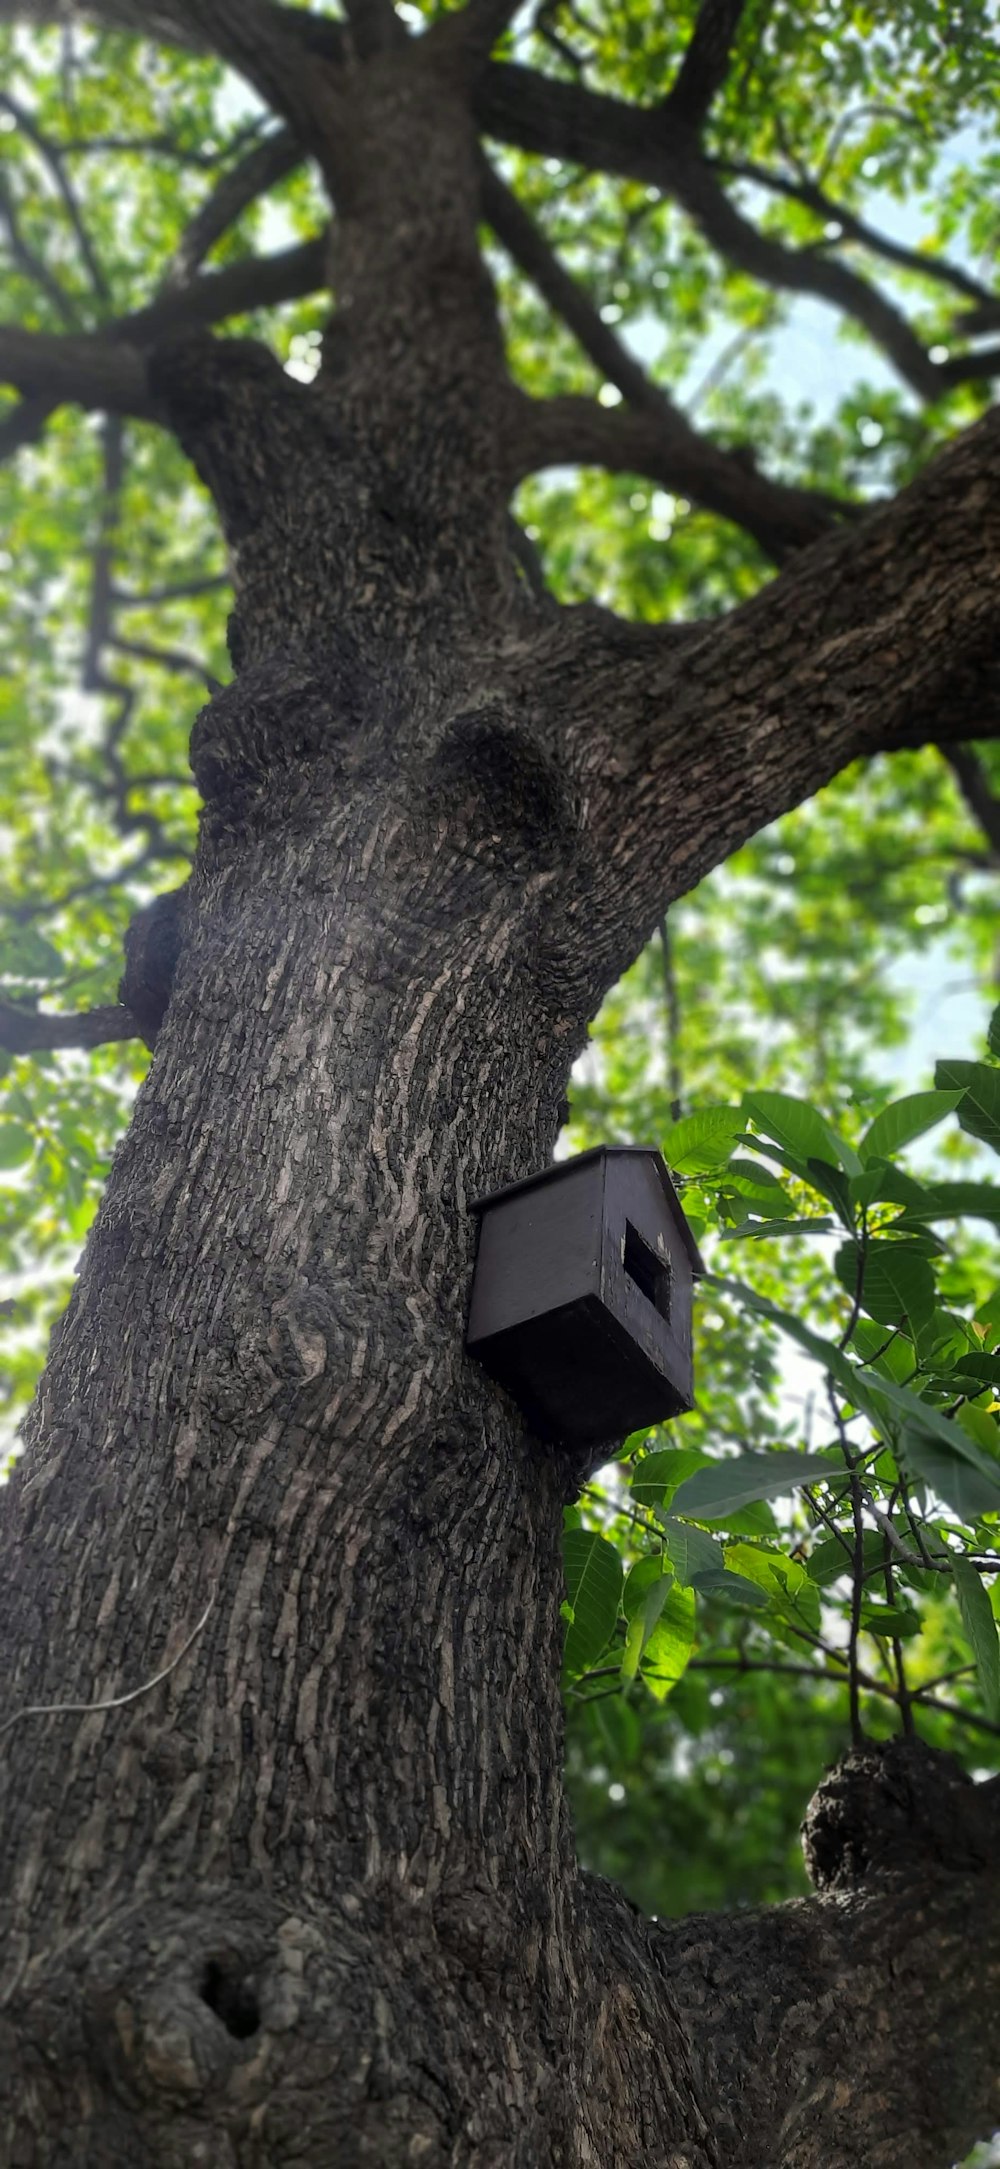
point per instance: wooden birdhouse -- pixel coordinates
(581, 1299)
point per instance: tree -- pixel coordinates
(281, 1590)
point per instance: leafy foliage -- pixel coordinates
(876, 1560)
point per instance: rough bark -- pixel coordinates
(286, 1868)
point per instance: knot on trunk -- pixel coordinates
(889, 1808)
(511, 796)
(277, 737)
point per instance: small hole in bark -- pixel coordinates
(235, 2002)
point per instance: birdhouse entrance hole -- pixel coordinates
(650, 1273)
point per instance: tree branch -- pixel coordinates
(967, 368)
(815, 198)
(525, 242)
(971, 778)
(89, 370)
(654, 437)
(29, 262)
(265, 43)
(254, 282)
(54, 158)
(108, 369)
(25, 424)
(803, 271)
(375, 26)
(705, 65)
(474, 29)
(881, 635)
(175, 659)
(28, 1031)
(565, 120)
(261, 168)
(901, 1846)
(572, 431)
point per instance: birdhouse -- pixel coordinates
(581, 1299)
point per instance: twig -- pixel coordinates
(126, 598)
(112, 1702)
(891, 1534)
(857, 1515)
(33, 265)
(954, 1709)
(827, 1520)
(53, 157)
(145, 651)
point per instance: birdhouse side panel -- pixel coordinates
(539, 1250)
(646, 1278)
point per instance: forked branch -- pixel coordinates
(108, 370)
(650, 435)
(882, 635)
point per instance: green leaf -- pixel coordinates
(889, 1353)
(822, 1351)
(936, 1450)
(904, 1120)
(892, 1620)
(882, 1184)
(647, 1573)
(898, 1282)
(655, 1478)
(756, 1519)
(980, 1631)
(735, 1483)
(772, 1228)
(789, 1589)
(828, 1562)
(16, 1144)
(899, 1404)
(593, 1573)
(800, 1128)
(987, 1315)
(732, 1588)
(993, 1033)
(980, 1426)
(951, 1200)
(965, 1486)
(25, 954)
(652, 1589)
(831, 1561)
(702, 1141)
(979, 1107)
(947, 1339)
(755, 1182)
(670, 1643)
(983, 1369)
(691, 1551)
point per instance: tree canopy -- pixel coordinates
(745, 264)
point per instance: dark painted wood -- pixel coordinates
(581, 1299)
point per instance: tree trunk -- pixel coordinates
(286, 1868)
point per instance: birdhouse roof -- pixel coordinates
(608, 1152)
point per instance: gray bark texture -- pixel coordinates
(287, 1875)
